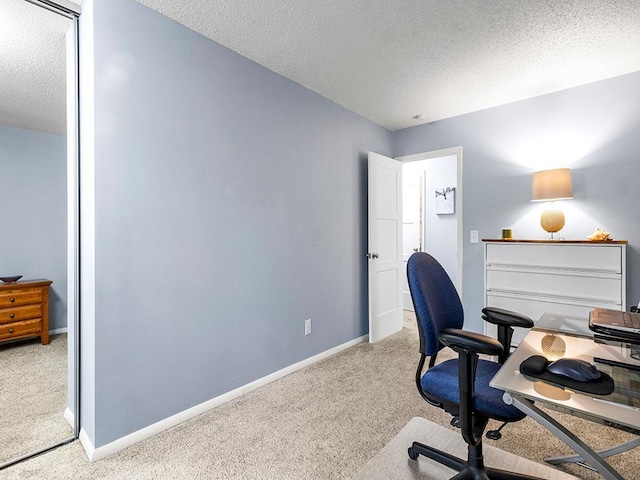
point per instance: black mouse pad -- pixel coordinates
(536, 367)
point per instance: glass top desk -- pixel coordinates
(621, 409)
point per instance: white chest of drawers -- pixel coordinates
(562, 277)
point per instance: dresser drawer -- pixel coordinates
(15, 314)
(16, 329)
(599, 258)
(603, 288)
(12, 298)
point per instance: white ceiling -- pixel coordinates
(389, 60)
(32, 83)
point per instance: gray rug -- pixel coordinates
(392, 462)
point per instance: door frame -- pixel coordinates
(72, 11)
(72, 413)
(446, 152)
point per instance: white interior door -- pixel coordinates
(411, 222)
(385, 246)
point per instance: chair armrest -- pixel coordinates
(468, 345)
(500, 316)
(470, 341)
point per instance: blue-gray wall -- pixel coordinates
(230, 206)
(33, 182)
(593, 129)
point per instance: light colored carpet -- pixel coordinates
(33, 396)
(393, 462)
(323, 422)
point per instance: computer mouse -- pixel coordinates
(575, 369)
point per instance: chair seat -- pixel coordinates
(441, 383)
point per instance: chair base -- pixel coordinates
(472, 469)
(491, 434)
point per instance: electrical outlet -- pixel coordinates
(307, 327)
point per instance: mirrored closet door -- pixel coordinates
(35, 317)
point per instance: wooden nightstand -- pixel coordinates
(24, 310)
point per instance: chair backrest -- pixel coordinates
(435, 300)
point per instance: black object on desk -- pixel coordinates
(601, 337)
(616, 324)
(575, 369)
(613, 363)
(536, 367)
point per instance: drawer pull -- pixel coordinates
(12, 299)
(11, 315)
(11, 330)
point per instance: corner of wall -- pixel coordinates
(87, 445)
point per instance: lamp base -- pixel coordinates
(552, 219)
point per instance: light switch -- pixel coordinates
(473, 237)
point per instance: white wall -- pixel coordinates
(440, 230)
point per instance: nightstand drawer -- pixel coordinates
(20, 297)
(16, 329)
(16, 314)
(24, 310)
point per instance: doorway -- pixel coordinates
(432, 211)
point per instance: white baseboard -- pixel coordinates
(70, 417)
(87, 445)
(57, 331)
(100, 452)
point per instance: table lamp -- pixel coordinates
(549, 186)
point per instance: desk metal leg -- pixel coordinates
(577, 445)
(623, 447)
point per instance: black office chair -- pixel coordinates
(460, 386)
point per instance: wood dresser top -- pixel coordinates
(41, 282)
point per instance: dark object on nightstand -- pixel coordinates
(12, 279)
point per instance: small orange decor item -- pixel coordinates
(599, 235)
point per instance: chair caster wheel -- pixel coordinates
(493, 435)
(413, 455)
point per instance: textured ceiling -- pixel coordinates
(32, 83)
(389, 60)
